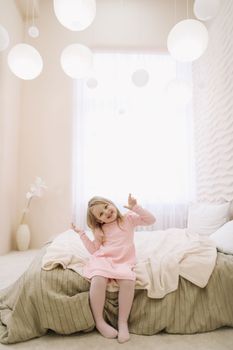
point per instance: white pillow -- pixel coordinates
(223, 238)
(205, 218)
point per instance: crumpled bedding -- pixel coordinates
(58, 300)
(162, 256)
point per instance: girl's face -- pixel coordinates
(104, 212)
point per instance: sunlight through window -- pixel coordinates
(131, 138)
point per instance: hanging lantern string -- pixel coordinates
(175, 11)
(26, 22)
(33, 12)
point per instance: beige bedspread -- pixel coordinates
(162, 256)
(58, 300)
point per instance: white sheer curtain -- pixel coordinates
(130, 139)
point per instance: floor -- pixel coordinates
(14, 264)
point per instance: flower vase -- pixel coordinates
(23, 237)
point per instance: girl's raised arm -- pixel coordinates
(91, 246)
(141, 217)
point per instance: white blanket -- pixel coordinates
(162, 256)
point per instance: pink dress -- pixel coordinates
(115, 257)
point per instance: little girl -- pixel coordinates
(113, 257)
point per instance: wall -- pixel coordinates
(10, 106)
(213, 110)
(47, 105)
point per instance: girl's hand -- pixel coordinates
(77, 229)
(131, 202)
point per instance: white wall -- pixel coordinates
(47, 105)
(213, 110)
(10, 106)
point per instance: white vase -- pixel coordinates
(23, 237)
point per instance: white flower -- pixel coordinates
(28, 195)
(35, 190)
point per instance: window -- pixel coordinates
(131, 139)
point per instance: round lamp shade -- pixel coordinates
(178, 92)
(33, 31)
(4, 38)
(76, 60)
(206, 9)
(92, 83)
(140, 77)
(25, 61)
(187, 40)
(75, 14)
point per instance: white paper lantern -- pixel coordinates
(75, 14)
(178, 93)
(206, 9)
(25, 61)
(4, 38)
(140, 77)
(76, 60)
(92, 83)
(187, 40)
(33, 31)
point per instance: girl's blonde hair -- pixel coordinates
(92, 222)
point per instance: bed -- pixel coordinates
(58, 300)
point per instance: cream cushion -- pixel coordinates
(223, 238)
(206, 218)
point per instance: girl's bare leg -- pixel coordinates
(125, 300)
(97, 300)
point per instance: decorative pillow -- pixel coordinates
(206, 218)
(223, 238)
